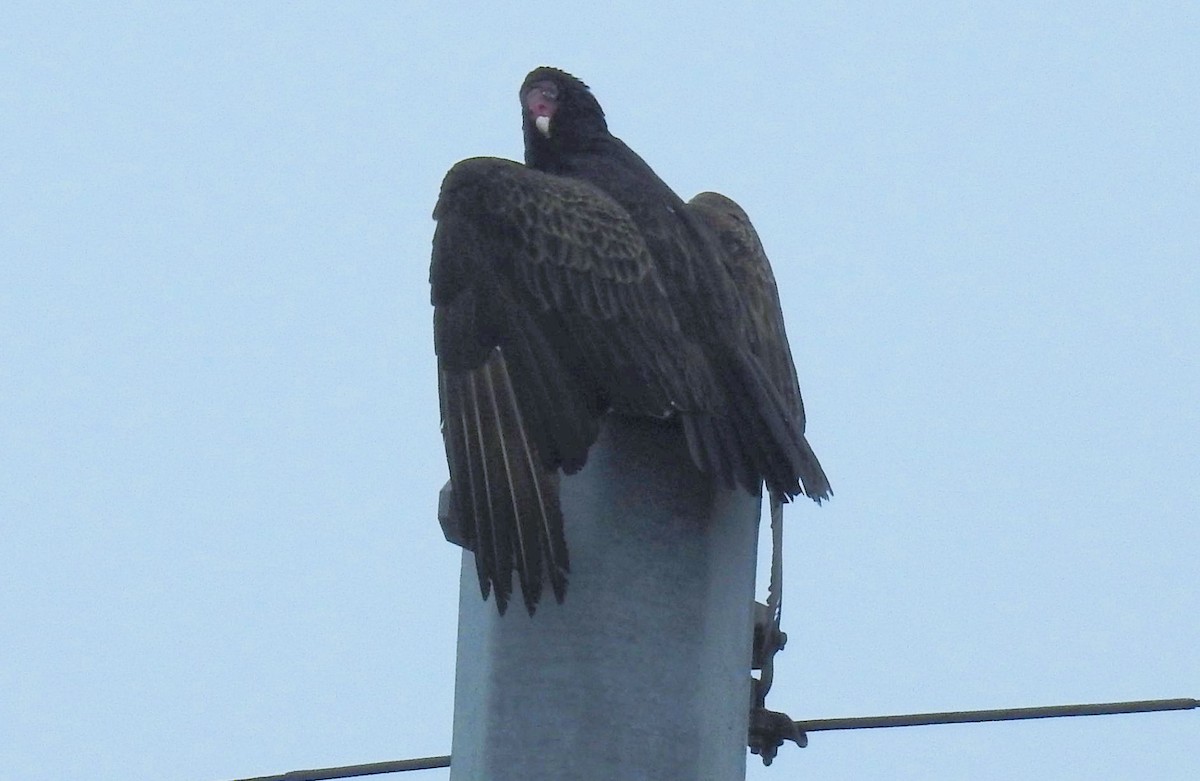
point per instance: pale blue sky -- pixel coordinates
(218, 414)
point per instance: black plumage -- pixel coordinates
(579, 284)
(746, 262)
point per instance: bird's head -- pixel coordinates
(558, 114)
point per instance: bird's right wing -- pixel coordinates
(548, 311)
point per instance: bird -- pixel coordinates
(576, 285)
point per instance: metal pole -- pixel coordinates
(644, 670)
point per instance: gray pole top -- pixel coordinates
(644, 671)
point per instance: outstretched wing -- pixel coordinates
(746, 261)
(548, 311)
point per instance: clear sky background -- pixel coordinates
(218, 422)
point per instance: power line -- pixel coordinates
(812, 725)
(351, 771)
(1003, 714)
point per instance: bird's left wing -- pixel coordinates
(747, 263)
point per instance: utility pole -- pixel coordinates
(644, 671)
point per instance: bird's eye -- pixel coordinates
(546, 90)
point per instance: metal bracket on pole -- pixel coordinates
(768, 728)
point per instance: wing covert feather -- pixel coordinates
(571, 257)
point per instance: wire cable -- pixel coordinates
(813, 725)
(353, 771)
(1003, 714)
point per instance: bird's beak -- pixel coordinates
(543, 125)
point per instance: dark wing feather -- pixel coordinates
(746, 261)
(548, 311)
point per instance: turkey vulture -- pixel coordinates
(579, 284)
